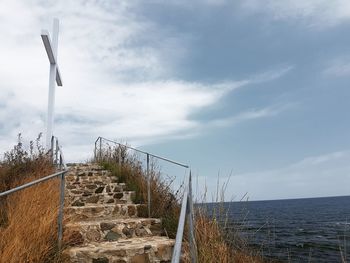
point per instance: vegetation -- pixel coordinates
(28, 218)
(212, 243)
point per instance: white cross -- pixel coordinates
(55, 76)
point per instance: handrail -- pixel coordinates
(38, 181)
(186, 210)
(58, 160)
(186, 205)
(140, 151)
(148, 164)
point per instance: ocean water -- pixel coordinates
(295, 230)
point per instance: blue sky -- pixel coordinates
(252, 90)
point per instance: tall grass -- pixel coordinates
(213, 244)
(28, 225)
(128, 169)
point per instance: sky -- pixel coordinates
(253, 92)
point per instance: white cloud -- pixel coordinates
(339, 67)
(116, 72)
(314, 176)
(251, 114)
(315, 13)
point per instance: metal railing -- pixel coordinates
(186, 211)
(98, 156)
(186, 205)
(58, 160)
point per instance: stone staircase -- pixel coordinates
(105, 226)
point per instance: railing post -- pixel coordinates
(61, 162)
(148, 187)
(95, 154)
(193, 248)
(100, 149)
(60, 212)
(56, 153)
(52, 145)
(120, 157)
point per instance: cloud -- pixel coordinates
(117, 73)
(251, 114)
(315, 13)
(322, 175)
(339, 67)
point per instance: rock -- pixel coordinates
(112, 236)
(76, 192)
(140, 259)
(118, 195)
(100, 260)
(93, 235)
(106, 226)
(78, 203)
(128, 232)
(131, 210)
(110, 201)
(99, 190)
(93, 199)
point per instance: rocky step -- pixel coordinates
(80, 198)
(84, 166)
(112, 230)
(135, 250)
(88, 177)
(84, 213)
(98, 187)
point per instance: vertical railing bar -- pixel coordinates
(148, 188)
(52, 146)
(56, 153)
(180, 229)
(61, 162)
(100, 149)
(95, 149)
(60, 212)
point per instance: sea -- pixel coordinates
(293, 230)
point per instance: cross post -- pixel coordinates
(54, 77)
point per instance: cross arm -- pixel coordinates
(47, 43)
(45, 36)
(58, 77)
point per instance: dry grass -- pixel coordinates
(28, 228)
(165, 203)
(212, 243)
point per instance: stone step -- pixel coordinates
(84, 213)
(135, 250)
(98, 187)
(84, 166)
(81, 198)
(112, 229)
(87, 177)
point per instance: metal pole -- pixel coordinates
(60, 212)
(100, 149)
(193, 249)
(180, 229)
(56, 153)
(95, 151)
(148, 187)
(52, 84)
(52, 145)
(61, 161)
